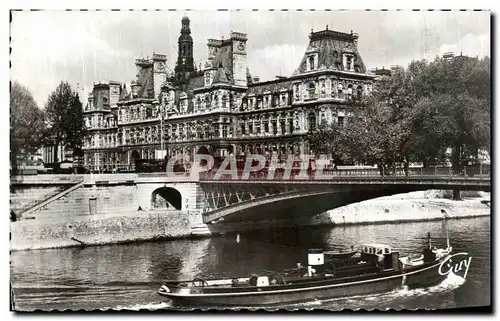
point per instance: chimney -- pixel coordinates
(256, 79)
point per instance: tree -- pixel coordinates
(416, 114)
(329, 139)
(65, 116)
(26, 123)
(454, 108)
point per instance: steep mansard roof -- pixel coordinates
(272, 86)
(145, 79)
(124, 94)
(330, 45)
(224, 58)
(220, 76)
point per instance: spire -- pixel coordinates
(185, 29)
(185, 61)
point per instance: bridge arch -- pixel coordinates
(166, 197)
(254, 201)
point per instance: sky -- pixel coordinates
(83, 47)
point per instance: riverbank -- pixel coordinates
(135, 226)
(410, 207)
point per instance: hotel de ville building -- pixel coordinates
(220, 109)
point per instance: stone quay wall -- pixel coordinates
(118, 227)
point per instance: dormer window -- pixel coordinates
(348, 63)
(275, 100)
(259, 103)
(311, 63)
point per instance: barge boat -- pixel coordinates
(377, 269)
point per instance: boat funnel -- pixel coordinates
(315, 260)
(316, 257)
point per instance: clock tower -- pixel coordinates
(185, 64)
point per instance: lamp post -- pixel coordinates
(162, 115)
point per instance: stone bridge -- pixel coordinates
(218, 201)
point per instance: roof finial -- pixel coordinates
(351, 32)
(326, 27)
(312, 30)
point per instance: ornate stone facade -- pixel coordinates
(220, 109)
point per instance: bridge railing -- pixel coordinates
(477, 172)
(46, 179)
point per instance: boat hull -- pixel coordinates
(265, 296)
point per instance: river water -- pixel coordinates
(127, 276)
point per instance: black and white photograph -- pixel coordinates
(174, 160)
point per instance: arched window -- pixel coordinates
(311, 121)
(311, 88)
(184, 50)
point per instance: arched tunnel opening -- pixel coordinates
(166, 197)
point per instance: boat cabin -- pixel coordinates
(381, 255)
(375, 249)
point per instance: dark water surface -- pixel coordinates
(127, 276)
